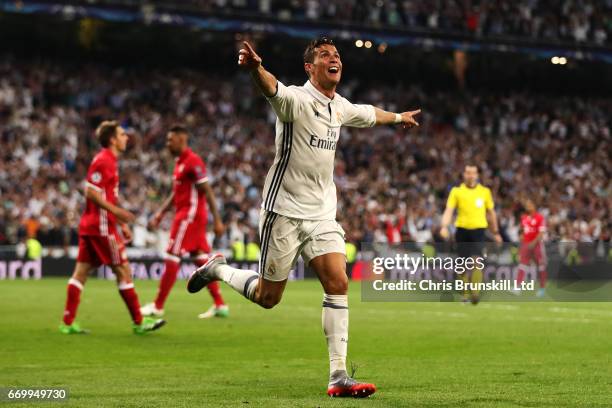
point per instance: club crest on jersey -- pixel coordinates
(96, 177)
(181, 167)
(479, 202)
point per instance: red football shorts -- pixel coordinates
(537, 254)
(187, 236)
(101, 250)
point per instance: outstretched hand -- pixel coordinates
(248, 58)
(408, 120)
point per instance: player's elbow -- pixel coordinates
(269, 91)
(204, 188)
(91, 194)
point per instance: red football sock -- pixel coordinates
(213, 287)
(166, 282)
(215, 292)
(520, 277)
(73, 298)
(543, 277)
(127, 292)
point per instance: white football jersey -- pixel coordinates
(300, 183)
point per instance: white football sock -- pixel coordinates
(335, 326)
(243, 281)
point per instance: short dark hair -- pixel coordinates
(178, 129)
(472, 165)
(106, 131)
(309, 53)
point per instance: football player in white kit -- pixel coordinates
(298, 215)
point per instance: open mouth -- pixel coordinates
(333, 70)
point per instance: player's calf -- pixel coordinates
(75, 286)
(246, 282)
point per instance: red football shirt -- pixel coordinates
(103, 177)
(189, 171)
(532, 225)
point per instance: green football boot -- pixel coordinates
(215, 311)
(148, 325)
(73, 328)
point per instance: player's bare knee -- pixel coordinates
(337, 285)
(81, 271)
(268, 304)
(80, 275)
(80, 278)
(268, 301)
(123, 273)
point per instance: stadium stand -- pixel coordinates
(568, 21)
(555, 148)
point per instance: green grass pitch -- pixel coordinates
(418, 354)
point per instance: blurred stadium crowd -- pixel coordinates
(392, 183)
(582, 21)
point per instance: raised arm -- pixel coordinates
(284, 100)
(384, 117)
(358, 115)
(265, 81)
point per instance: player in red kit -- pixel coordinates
(99, 240)
(533, 228)
(190, 193)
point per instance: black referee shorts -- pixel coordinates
(470, 242)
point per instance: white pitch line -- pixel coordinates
(524, 316)
(598, 312)
(499, 306)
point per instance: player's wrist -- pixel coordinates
(398, 119)
(256, 69)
